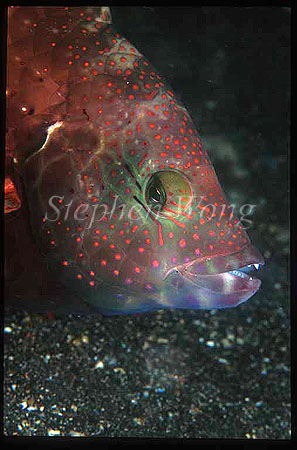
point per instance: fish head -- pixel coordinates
(124, 202)
(188, 244)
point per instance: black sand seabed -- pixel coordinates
(215, 374)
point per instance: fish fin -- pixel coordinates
(12, 200)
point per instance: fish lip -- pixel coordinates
(215, 282)
(212, 265)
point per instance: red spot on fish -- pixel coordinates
(182, 243)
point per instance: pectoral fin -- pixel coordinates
(12, 200)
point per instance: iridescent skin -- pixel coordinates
(90, 121)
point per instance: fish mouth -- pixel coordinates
(215, 282)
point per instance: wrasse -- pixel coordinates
(106, 170)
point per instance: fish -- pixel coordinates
(109, 192)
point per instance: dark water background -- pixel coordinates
(203, 374)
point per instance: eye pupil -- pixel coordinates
(155, 194)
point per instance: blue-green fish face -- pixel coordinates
(124, 201)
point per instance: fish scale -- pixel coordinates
(111, 131)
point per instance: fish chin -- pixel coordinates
(214, 282)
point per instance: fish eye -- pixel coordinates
(169, 192)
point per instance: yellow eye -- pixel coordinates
(168, 192)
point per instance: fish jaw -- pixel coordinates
(213, 283)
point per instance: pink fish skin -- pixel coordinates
(123, 201)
